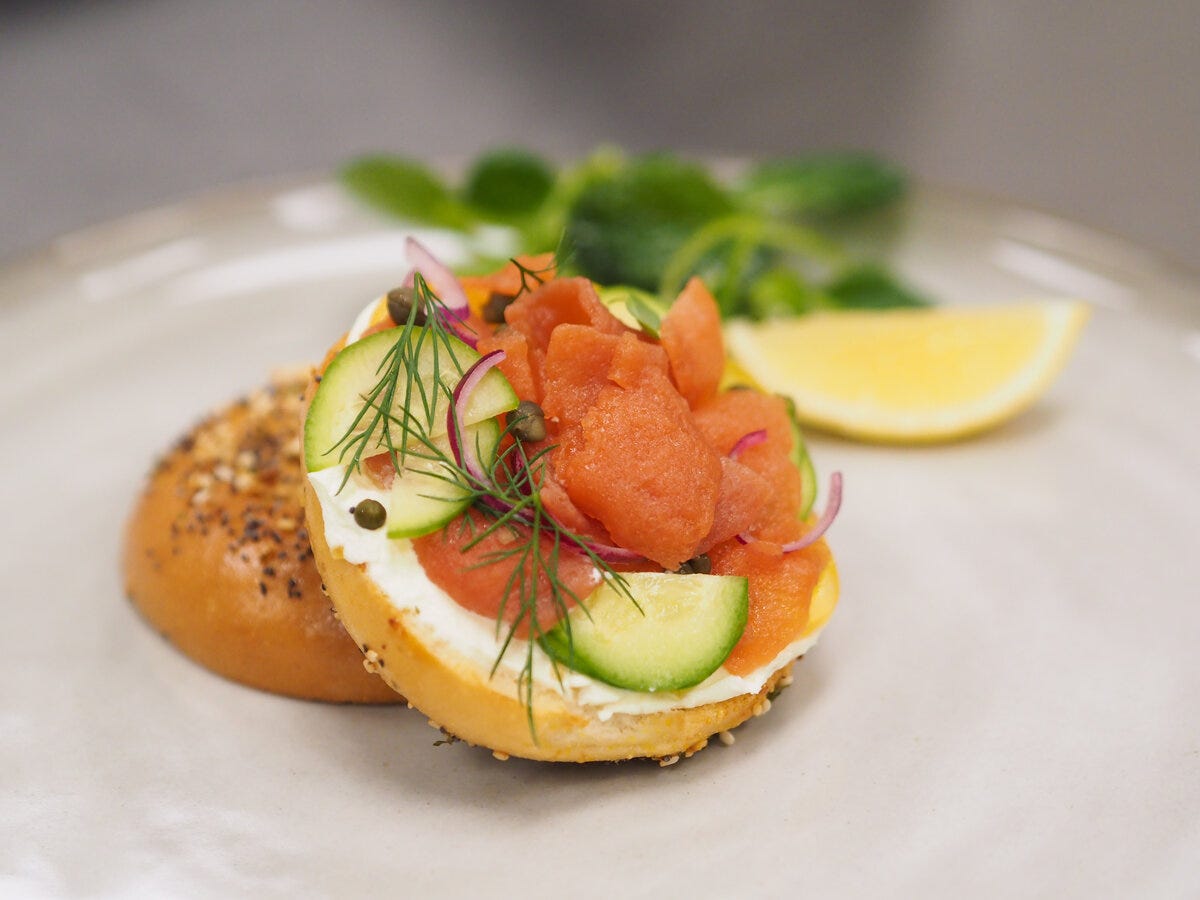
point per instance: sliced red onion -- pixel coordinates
(464, 454)
(746, 441)
(832, 505)
(440, 278)
(607, 552)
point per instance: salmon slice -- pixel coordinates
(740, 505)
(691, 335)
(730, 416)
(577, 363)
(570, 301)
(638, 464)
(781, 587)
(480, 582)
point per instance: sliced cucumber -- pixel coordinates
(357, 369)
(803, 461)
(426, 494)
(634, 307)
(684, 630)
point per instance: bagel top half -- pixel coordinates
(217, 558)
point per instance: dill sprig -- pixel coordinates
(508, 495)
(399, 373)
(532, 278)
(514, 478)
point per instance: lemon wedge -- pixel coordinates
(911, 375)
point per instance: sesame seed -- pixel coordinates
(726, 738)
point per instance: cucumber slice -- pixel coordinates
(634, 307)
(803, 461)
(684, 631)
(357, 369)
(426, 494)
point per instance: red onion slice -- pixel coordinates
(746, 441)
(464, 454)
(832, 505)
(440, 278)
(445, 286)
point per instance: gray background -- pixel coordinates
(1089, 109)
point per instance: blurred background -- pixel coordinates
(1088, 109)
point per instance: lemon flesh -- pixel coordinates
(911, 376)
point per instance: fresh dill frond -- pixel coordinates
(377, 425)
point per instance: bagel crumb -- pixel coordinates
(726, 738)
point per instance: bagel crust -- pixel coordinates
(462, 700)
(217, 557)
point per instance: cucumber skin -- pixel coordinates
(323, 434)
(575, 654)
(803, 461)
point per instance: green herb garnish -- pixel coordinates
(508, 185)
(771, 242)
(376, 422)
(406, 189)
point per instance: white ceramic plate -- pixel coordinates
(1004, 705)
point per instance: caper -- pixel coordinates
(369, 514)
(493, 309)
(400, 304)
(697, 565)
(527, 422)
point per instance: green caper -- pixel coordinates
(369, 514)
(697, 565)
(527, 422)
(400, 304)
(493, 309)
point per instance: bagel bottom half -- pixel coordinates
(460, 698)
(217, 556)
